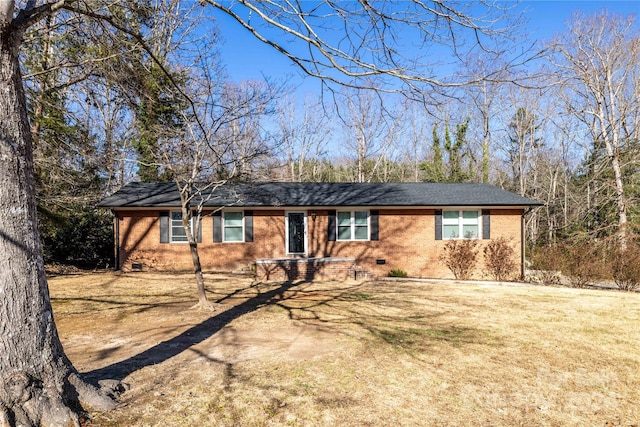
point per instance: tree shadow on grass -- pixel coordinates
(328, 310)
(165, 350)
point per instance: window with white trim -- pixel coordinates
(177, 233)
(353, 225)
(232, 227)
(461, 224)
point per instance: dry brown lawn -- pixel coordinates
(379, 353)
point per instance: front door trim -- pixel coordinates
(289, 224)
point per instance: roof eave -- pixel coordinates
(290, 207)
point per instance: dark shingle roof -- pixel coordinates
(305, 194)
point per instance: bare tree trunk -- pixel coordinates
(203, 302)
(620, 199)
(37, 381)
(611, 137)
(599, 53)
(197, 270)
(551, 214)
(186, 194)
(486, 132)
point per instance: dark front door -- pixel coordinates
(296, 232)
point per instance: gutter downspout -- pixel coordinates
(116, 240)
(523, 245)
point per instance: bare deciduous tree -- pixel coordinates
(218, 141)
(598, 59)
(303, 138)
(485, 102)
(522, 146)
(369, 131)
(243, 108)
(356, 44)
(417, 135)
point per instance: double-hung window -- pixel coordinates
(233, 227)
(353, 225)
(177, 232)
(461, 224)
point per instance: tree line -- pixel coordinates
(102, 114)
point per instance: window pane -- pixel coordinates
(344, 218)
(233, 234)
(450, 214)
(233, 219)
(470, 231)
(178, 234)
(361, 217)
(344, 233)
(470, 215)
(233, 231)
(450, 231)
(177, 230)
(362, 233)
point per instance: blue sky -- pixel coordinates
(549, 17)
(247, 58)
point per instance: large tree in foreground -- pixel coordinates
(37, 381)
(38, 384)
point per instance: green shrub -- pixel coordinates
(460, 256)
(397, 272)
(499, 259)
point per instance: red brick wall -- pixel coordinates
(407, 242)
(140, 243)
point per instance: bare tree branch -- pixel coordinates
(351, 44)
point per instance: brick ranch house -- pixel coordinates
(315, 230)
